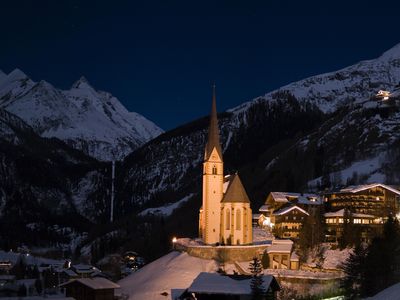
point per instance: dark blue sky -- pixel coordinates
(160, 57)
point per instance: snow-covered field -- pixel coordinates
(30, 259)
(165, 277)
(391, 293)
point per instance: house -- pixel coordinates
(375, 199)
(212, 286)
(288, 221)
(282, 256)
(368, 205)
(276, 200)
(90, 289)
(367, 225)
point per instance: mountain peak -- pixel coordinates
(393, 52)
(17, 74)
(82, 82)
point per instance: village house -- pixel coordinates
(375, 199)
(367, 225)
(288, 221)
(285, 213)
(282, 256)
(210, 286)
(97, 288)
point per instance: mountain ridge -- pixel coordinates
(87, 119)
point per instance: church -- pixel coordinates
(225, 215)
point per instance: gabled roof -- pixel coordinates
(359, 188)
(97, 283)
(235, 192)
(302, 198)
(285, 210)
(213, 131)
(213, 283)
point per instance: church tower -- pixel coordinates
(213, 178)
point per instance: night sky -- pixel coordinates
(159, 58)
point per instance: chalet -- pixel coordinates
(287, 212)
(282, 256)
(212, 286)
(90, 289)
(308, 202)
(367, 225)
(288, 221)
(376, 199)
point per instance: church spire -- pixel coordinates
(213, 131)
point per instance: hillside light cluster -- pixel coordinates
(383, 95)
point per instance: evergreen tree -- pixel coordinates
(257, 281)
(349, 236)
(382, 261)
(265, 260)
(354, 268)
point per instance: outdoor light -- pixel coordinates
(174, 240)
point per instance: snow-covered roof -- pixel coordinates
(256, 216)
(340, 213)
(97, 283)
(302, 198)
(213, 283)
(171, 274)
(359, 188)
(263, 208)
(280, 246)
(285, 210)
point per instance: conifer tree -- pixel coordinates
(257, 281)
(354, 268)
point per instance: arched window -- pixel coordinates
(214, 170)
(228, 219)
(238, 219)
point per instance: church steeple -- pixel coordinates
(213, 131)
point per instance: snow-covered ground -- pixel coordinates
(368, 167)
(391, 293)
(165, 210)
(168, 275)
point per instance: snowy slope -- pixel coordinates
(357, 82)
(169, 274)
(87, 119)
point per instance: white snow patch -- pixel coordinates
(165, 210)
(170, 274)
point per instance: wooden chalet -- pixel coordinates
(97, 288)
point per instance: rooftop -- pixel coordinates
(97, 283)
(213, 283)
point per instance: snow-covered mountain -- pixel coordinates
(284, 139)
(89, 120)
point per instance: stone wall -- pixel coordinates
(224, 253)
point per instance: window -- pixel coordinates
(214, 170)
(238, 219)
(228, 219)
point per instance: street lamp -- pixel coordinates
(174, 240)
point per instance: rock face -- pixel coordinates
(89, 120)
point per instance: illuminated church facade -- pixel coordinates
(225, 215)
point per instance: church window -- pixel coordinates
(238, 219)
(228, 220)
(214, 170)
